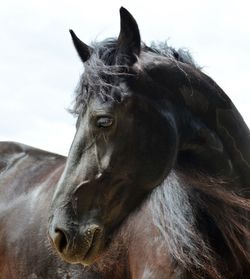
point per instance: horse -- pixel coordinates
(156, 183)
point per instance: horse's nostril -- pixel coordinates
(60, 240)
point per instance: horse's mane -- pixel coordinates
(204, 223)
(163, 49)
(102, 67)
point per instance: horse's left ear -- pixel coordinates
(83, 50)
(129, 40)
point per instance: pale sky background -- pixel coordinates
(39, 68)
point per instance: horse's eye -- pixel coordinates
(104, 122)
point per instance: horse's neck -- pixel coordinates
(149, 233)
(220, 134)
(138, 251)
(148, 254)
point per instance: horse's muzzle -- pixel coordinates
(77, 246)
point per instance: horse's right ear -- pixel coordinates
(83, 50)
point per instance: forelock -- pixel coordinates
(105, 67)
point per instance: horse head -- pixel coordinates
(124, 147)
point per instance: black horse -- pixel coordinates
(156, 184)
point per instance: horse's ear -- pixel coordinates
(83, 50)
(129, 40)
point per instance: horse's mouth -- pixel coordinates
(94, 250)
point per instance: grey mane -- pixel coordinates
(175, 217)
(181, 203)
(102, 69)
(181, 55)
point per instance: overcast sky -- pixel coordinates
(39, 68)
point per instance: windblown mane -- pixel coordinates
(204, 223)
(101, 70)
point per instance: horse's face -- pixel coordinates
(120, 152)
(123, 148)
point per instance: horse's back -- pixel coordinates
(12, 153)
(23, 167)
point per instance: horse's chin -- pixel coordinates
(93, 254)
(88, 258)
